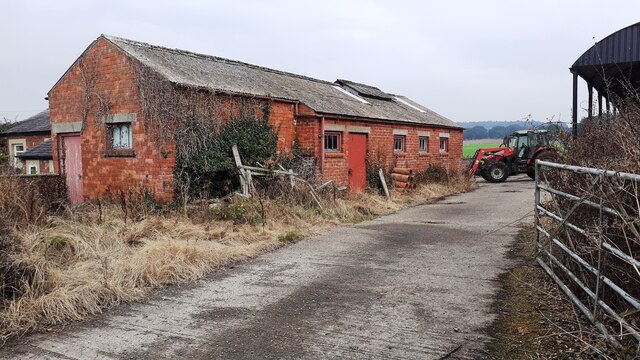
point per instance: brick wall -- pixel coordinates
(308, 130)
(151, 167)
(380, 146)
(281, 116)
(30, 141)
(152, 164)
(43, 166)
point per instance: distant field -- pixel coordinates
(483, 141)
(469, 149)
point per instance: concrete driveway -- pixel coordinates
(414, 285)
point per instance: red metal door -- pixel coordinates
(357, 148)
(73, 168)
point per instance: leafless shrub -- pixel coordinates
(610, 143)
(437, 174)
(377, 159)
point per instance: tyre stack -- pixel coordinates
(403, 179)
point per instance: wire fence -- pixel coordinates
(588, 238)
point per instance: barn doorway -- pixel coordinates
(73, 168)
(357, 161)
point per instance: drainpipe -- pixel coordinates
(295, 123)
(574, 107)
(321, 136)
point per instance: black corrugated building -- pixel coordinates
(611, 67)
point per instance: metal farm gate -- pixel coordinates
(588, 239)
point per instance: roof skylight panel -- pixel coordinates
(350, 94)
(409, 105)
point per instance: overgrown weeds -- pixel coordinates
(290, 237)
(436, 174)
(28, 200)
(81, 261)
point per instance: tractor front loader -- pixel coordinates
(516, 155)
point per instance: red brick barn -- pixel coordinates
(29, 146)
(339, 123)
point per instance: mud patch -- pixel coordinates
(221, 313)
(429, 222)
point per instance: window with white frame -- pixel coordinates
(424, 143)
(399, 143)
(120, 136)
(33, 167)
(17, 149)
(444, 144)
(332, 141)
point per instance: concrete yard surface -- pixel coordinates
(418, 284)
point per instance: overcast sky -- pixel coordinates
(468, 60)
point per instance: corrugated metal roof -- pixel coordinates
(623, 46)
(39, 123)
(219, 74)
(612, 65)
(39, 152)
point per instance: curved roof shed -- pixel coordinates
(611, 67)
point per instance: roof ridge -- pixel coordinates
(191, 68)
(359, 83)
(212, 57)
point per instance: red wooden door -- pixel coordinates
(73, 168)
(357, 148)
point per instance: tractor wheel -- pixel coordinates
(544, 156)
(497, 172)
(484, 173)
(531, 172)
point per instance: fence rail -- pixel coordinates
(581, 274)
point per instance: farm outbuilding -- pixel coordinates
(611, 67)
(104, 145)
(29, 145)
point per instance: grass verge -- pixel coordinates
(537, 320)
(85, 260)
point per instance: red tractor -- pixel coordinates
(516, 155)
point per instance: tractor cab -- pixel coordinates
(516, 155)
(525, 144)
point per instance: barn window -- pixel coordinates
(120, 136)
(399, 143)
(444, 144)
(332, 141)
(424, 144)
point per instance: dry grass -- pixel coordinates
(535, 320)
(83, 261)
(82, 267)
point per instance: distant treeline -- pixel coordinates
(497, 129)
